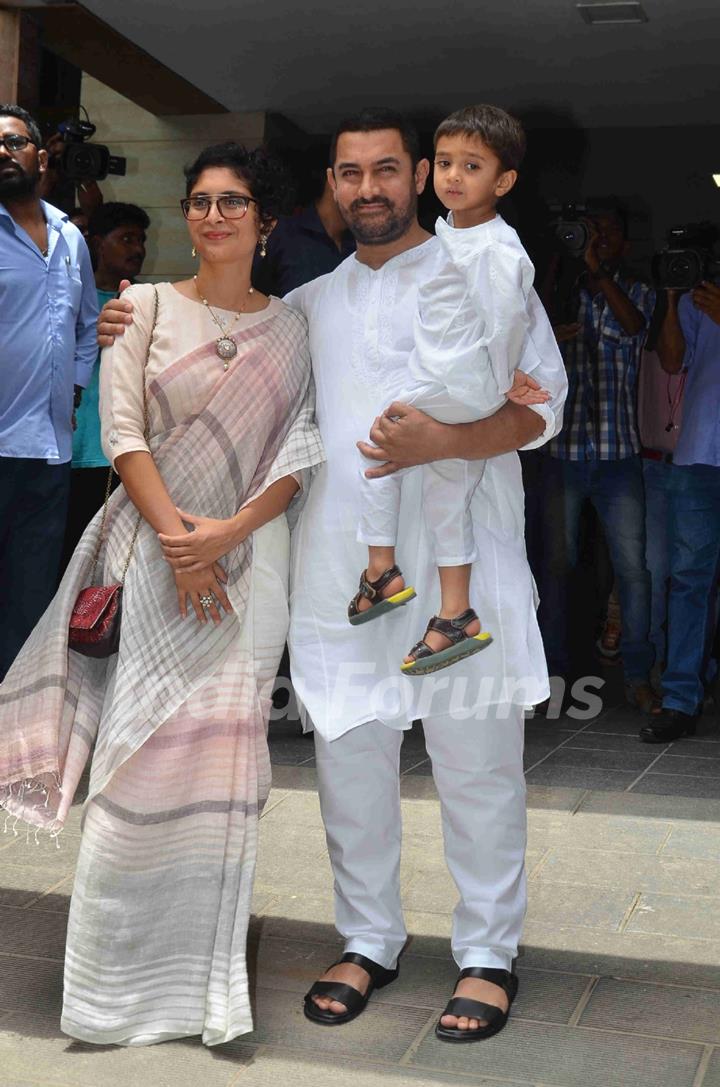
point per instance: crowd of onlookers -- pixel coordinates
(641, 445)
(622, 507)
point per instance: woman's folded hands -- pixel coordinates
(194, 555)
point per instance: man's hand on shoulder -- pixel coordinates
(707, 299)
(114, 318)
(403, 436)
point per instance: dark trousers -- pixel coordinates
(694, 567)
(615, 489)
(87, 496)
(33, 509)
(535, 466)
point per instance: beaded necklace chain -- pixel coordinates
(225, 346)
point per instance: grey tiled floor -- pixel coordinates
(619, 970)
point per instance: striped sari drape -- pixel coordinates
(180, 770)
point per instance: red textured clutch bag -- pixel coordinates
(95, 621)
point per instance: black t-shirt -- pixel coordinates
(298, 250)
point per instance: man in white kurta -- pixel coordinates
(348, 678)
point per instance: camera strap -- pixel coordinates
(674, 400)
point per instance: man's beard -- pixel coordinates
(381, 229)
(18, 184)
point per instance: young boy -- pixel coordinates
(470, 330)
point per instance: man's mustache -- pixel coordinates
(361, 203)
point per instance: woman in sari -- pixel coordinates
(175, 723)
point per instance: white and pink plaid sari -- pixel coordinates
(175, 723)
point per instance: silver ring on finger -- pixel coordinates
(207, 601)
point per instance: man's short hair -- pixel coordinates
(498, 130)
(30, 123)
(113, 214)
(376, 119)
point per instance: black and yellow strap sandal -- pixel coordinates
(461, 1006)
(379, 605)
(354, 1001)
(426, 659)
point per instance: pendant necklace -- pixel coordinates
(225, 346)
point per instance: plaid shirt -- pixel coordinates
(602, 364)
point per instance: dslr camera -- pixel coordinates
(688, 257)
(570, 227)
(84, 161)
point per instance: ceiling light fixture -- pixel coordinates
(716, 179)
(612, 11)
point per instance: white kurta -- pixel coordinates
(473, 315)
(361, 328)
(471, 324)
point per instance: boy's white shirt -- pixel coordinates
(473, 315)
(361, 328)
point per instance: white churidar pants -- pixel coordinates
(447, 487)
(478, 770)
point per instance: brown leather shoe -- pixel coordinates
(641, 695)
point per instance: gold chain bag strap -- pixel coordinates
(95, 620)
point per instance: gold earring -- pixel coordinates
(194, 251)
(263, 245)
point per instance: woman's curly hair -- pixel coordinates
(263, 173)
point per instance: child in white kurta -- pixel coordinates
(470, 329)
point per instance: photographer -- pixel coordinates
(690, 340)
(47, 345)
(596, 455)
(84, 194)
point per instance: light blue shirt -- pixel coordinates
(699, 438)
(48, 314)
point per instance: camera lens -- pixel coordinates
(84, 161)
(679, 268)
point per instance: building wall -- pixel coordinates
(156, 149)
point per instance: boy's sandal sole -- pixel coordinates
(445, 657)
(390, 603)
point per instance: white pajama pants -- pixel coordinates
(478, 770)
(447, 488)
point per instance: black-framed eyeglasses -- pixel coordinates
(229, 206)
(15, 142)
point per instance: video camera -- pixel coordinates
(83, 161)
(570, 227)
(688, 257)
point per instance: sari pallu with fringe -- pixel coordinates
(180, 769)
